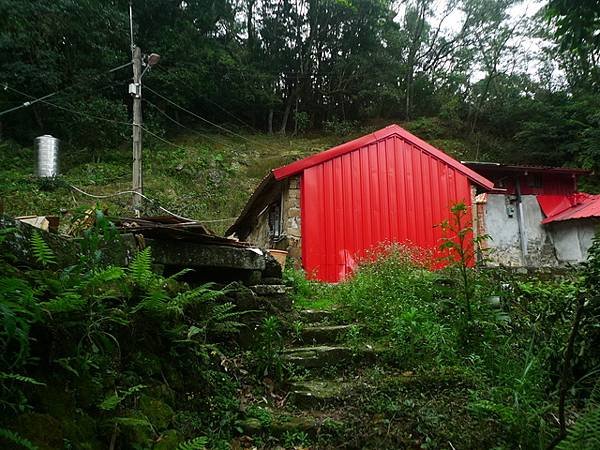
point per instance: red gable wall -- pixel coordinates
(385, 190)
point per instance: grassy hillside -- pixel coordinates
(204, 176)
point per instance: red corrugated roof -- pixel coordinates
(499, 167)
(299, 166)
(568, 207)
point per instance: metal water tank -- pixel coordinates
(47, 150)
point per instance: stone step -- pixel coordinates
(316, 315)
(270, 289)
(324, 356)
(312, 394)
(280, 423)
(324, 334)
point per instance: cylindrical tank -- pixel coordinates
(46, 156)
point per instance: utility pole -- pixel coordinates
(136, 91)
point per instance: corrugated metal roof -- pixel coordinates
(569, 207)
(299, 166)
(479, 165)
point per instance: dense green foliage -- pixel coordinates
(95, 353)
(500, 82)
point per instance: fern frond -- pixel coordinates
(67, 303)
(15, 438)
(42, 252)
(154, 302)
(133, 422)
(111, 273)
(221, 318)
(198, 443)
(585, 433)
(140, 268)
(20, 378)
(180, 274)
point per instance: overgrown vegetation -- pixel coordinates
(530, 358)
(101, 356)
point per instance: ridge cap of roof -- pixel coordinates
(394, 129)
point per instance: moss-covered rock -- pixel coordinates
(169, 440)
(45, 431)
(57, 400)
(158, 413)
(81, 432)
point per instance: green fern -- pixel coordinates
(198, 443)
(201, 294)
(140, 269)
(585, 434)
(20, 378)
(42, 252)
(222, 319)
(66, 303)
(15, 438)
(111, 273)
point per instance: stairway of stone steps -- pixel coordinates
(310, 404)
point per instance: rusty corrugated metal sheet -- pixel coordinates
(385, 190)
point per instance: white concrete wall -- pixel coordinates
(573, 238)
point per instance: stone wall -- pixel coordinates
(290, 227)
(291, 219)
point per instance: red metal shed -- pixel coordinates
(388, 186)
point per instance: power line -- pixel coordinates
(116, 194)
(250, 127)
(206, 120)
(52, 94)
(182, 125)
(65, 108)
(154, 202)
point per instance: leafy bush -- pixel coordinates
(125, 333)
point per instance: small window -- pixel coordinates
(274, 221)
(534, 181)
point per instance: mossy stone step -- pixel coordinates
(324, 334)
(312, 394)
(316, 315)
(282, 423)
(324, 356)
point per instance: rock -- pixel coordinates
(316, 357)
(324, 334)
(289, 424)
(169, 440)
(324, 356)
(270, 289)
(249, 426)
(195, 254)
(45, 431)
(272, 268)
(316, 315)
(317, 393)
(158, 413)
(81, 432)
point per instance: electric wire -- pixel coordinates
(206, 120)
(73, 111)
(175, 121)
(154, 202)
(250, 127)
(52, 94)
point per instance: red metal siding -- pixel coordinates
(387, 191)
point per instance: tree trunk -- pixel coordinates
(270, 121)
(286, 114)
